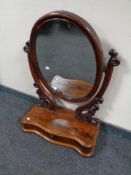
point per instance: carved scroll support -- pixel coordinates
(44, 99)
(86, 111)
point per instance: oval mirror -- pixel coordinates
(66, 58)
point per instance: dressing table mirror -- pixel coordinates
(67, 64)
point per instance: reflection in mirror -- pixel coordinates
(66, 58)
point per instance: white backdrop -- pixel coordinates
(112, 22)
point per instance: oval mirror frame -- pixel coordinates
(43, 86)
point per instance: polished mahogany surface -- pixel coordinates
(61, 127)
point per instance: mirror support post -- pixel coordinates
(87, 111)
(44, 99)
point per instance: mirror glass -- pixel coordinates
(66, 58)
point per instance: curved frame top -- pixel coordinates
(42, 84)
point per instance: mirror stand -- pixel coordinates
(77, 129)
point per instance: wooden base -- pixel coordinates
(62, 128)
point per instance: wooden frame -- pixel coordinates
(89, 103)
(89, 32)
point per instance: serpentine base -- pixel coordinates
(62, 128)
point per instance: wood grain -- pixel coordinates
(61, 127)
